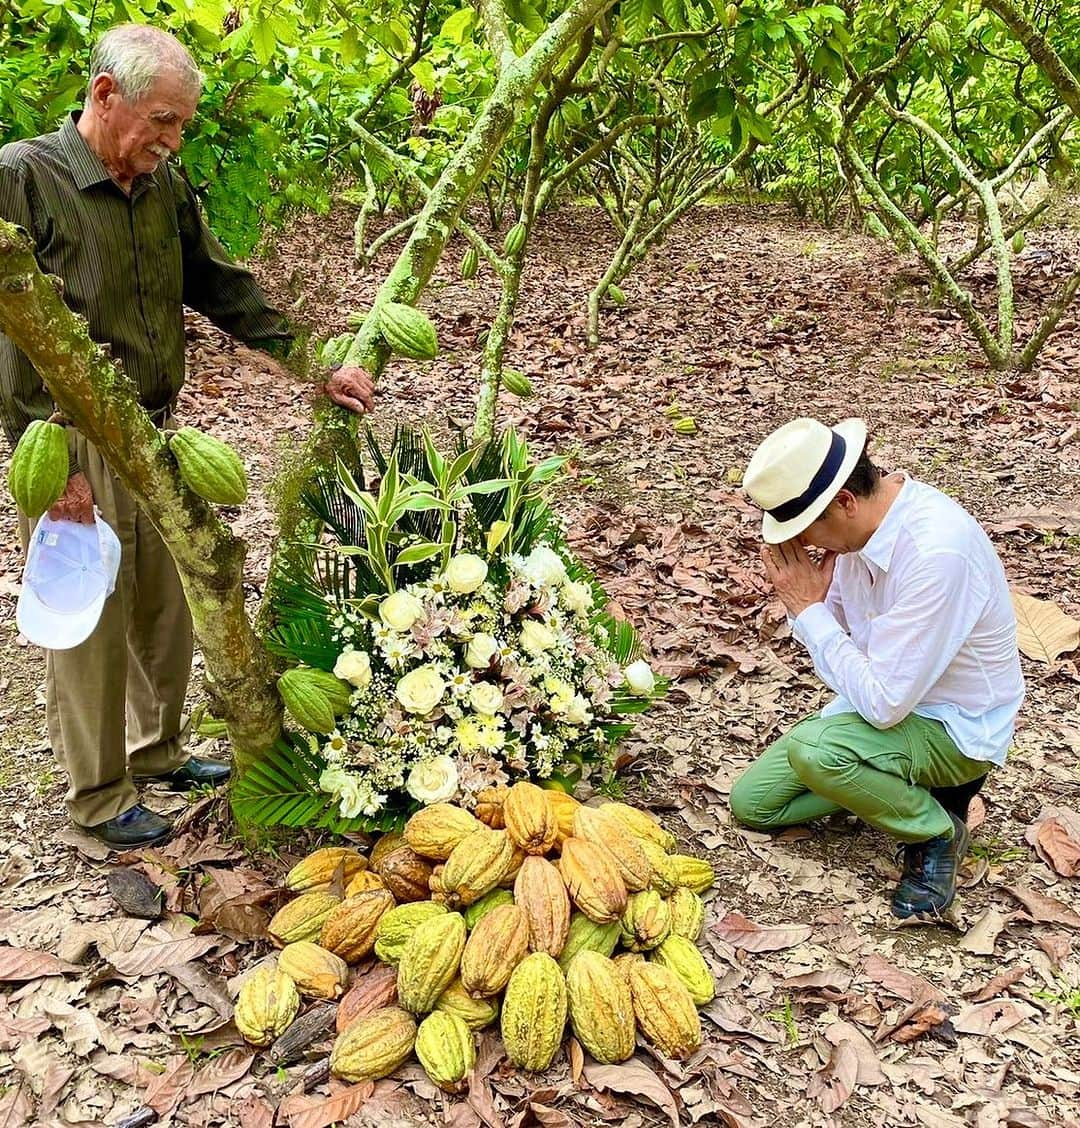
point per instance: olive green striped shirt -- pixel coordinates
(129, 266)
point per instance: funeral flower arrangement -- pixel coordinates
(444, 640)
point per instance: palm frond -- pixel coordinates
(309, 641)
(325, 499)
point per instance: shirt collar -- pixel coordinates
(878, 550)
(87, 168)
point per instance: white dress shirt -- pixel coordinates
(920, 621)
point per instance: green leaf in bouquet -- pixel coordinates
(416, 554)
(496, 534)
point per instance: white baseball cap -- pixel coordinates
(70, 571)
(798, 470)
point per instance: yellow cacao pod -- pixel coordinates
(682, 957)
(607, 831)
(489, 806)
(397, 925)
(267, 1004)
(565, 807)
(664, 877)
(646, 921)
(476, 912)
(624, 961)
(497, 945)
(601, 1010)
(350, 930)
(316, 972)
(592, 880)
(664, 1010)
(534, 1012)
(476, 866)
(364, 882)
(434, 831)
(587, 935)
(302, 918)
(318, 869)
(530, 818)
(687, 913)
(371, 992)
(406, 874)
(444, 1045)
(475, 1013)
(373, 1046)
(694, 874)
(641, 824)
(541, 892)
(517, 860)
(430, 961)
(385, 845)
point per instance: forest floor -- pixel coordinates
(827, 1012)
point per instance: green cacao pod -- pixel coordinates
(408, 332)
(476, 865)
(209, 467)
(497, 945)
(646, 921)
(729, 176)
(396, 926)
(517, 383)
(470, 263)
(302, 918)
(939, 40)
(476, 912)
(374, 1046)
(38, 474)
(475, 1013)
(601, 1009)
(430, 961)
(683, 958)
(534, 1012)
(1018, 242)
(687, 913)
(515, 239)
(664, 1009)
(731, 15)
(444, 1045)
(267, 1004)
(306, 701)
(332, 352)
(665, 879)
(588, 936)
(616, 295)
(695, 874)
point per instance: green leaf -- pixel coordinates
(416, 553)
(263, 41)
(637, 15)
(458, 27)
(424, 73)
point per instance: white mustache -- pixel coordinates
(160, 151)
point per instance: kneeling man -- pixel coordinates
(908, 620)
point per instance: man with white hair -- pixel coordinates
(908, 620)
(123, 230)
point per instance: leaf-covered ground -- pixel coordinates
(827, 1012)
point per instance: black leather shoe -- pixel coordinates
(928, 884)
(137, 826)
(196, 773)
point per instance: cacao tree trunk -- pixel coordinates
(102, 403)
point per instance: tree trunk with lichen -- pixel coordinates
(102, 403)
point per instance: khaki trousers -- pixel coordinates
(114, 704)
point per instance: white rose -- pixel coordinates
(545, 566)
(354, 666)
(576, 597)
(351, 800)
(578, 711)
(486, 698)
(481, 649)
(433, 781)
(400, 610)
(333, 779)
(640, 678)
(536, 638)
(420, 690)
(465, 573)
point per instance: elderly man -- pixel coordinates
(123, 231)
(908, 620)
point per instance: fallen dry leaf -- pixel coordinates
(998, 984)
(221, 1071)
(994, 1017)
(1055, 834)
(1043, 631)
(905, 984)
(637, 1079)
(320, 1112)
(1044, 909)
(1056, 945)
(740, 932)
(16, 1107)
(870, 1073)
(20, 964)
(919, 1019)
(981, 937)
(171, 1087)
(159, 955)
(833, 1084)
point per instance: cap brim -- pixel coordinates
(55, 630)
(853, 432)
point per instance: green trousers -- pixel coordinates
(842, 763)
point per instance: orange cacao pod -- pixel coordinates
(349, 931)
(406, 874)
(489, 806)
(541, 892)
(565, 807)
(317, 870)
(530, 818)
(370, 992)
(607, 831)
(592, 879)
(363, 882)
(497, 945)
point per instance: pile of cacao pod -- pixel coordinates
(532, 911)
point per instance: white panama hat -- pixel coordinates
(70, 571)
(798, 470)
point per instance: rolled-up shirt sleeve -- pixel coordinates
(910, 645)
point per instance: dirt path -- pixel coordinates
(745, 318)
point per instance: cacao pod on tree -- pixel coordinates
(408, 332)
(209, 467)
(939, 40)
(307, 700)
(516, 383)
(515, 239)
(470, 263)
(39, 469)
